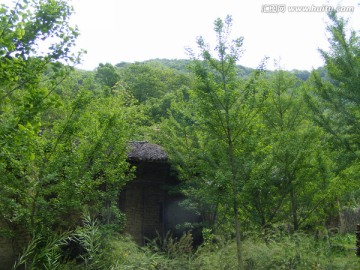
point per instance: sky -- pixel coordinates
(114, 31)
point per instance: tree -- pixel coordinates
(25, 93)
(83, 161)
(217, 133)
(290, 181)
(107, 76)
(143, 81)
(151, 80)
(336, 103)
(63, 149)
(23, 33)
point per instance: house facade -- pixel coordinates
(150, 208)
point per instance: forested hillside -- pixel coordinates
(268, 159)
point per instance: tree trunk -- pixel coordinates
(235, 203)
(238, 236)
(294, 208)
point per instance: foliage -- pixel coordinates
(28, 25)
(172, 247)
(154, 85)
(47, 250)
(62, 148)
(43, 252)
(144, 81)
(297, 251)
(221, 125)
(25, 94)
(89, 238)
(250, 155)
(107, 76)
(281, 251)
(291, 168)
(335, 103)
(182, 65)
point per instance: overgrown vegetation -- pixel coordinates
(114, 251)
(268, 159)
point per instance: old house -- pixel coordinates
(149, 207)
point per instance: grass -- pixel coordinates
(299, 251)
(105, 250)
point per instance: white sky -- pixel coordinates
(136, 30)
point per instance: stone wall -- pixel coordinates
(142, 201)
(10, 246)
(348, 220)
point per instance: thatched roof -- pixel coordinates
(145, 151)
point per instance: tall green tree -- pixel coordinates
(221, 125)
(290, 180)
(336, 102)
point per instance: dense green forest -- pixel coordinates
(269, 159)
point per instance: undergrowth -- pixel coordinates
(103, 249)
